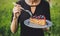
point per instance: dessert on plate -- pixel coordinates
(40, 20)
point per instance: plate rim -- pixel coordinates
(46, 26)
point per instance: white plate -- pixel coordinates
(29, 24)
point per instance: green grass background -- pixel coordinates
(6, 7)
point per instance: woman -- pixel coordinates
(37, 7)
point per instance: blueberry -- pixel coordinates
(41, 16)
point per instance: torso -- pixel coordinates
(38, 10)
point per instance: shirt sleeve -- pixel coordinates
(47, 10)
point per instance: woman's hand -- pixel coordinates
(16, 13)
(17, 10)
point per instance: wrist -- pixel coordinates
(15, 18)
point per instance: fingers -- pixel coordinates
(17, 10)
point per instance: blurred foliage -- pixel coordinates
(6, 7)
